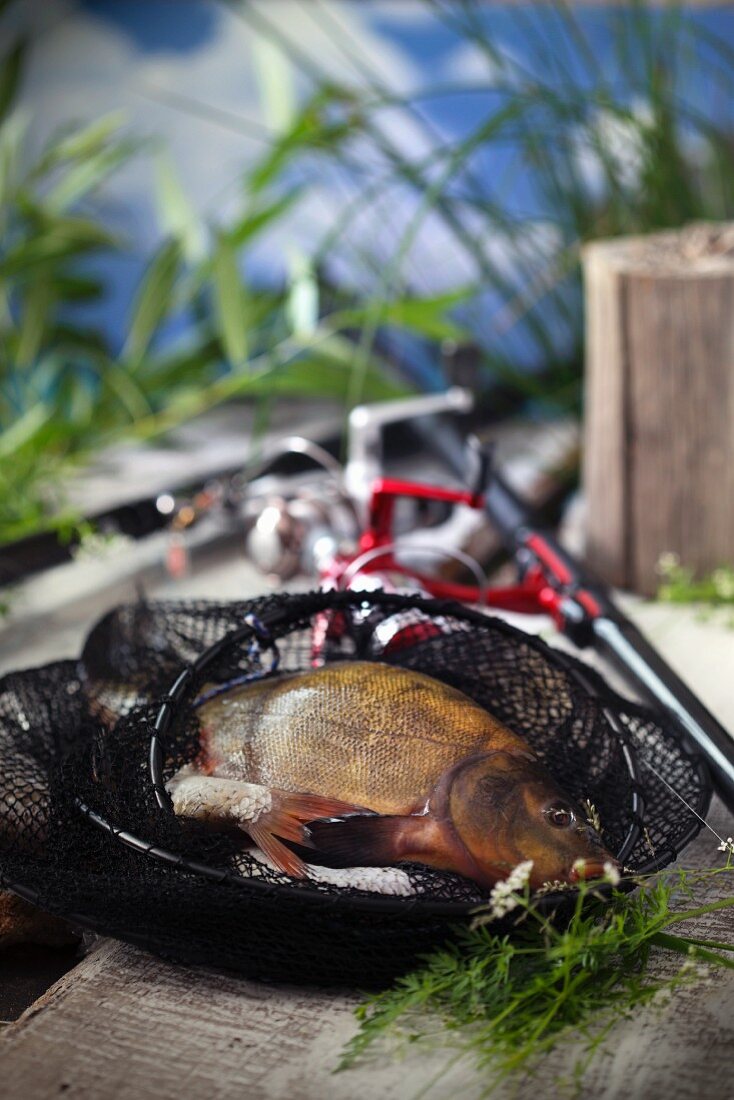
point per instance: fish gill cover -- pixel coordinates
(83, 832)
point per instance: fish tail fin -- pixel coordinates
(282, 856)
(361, 840)
(285, 821)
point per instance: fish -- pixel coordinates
(361, 763)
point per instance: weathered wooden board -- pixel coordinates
(127, 1026)
(659, 444)
(124, 1025)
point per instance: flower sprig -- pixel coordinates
(505, 895)
(505, 1000)
(592, 815)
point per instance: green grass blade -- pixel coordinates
(85, 176)
(153, 300)
(11, 71)
(229, 303)
(254, 221)
(176, 215)
(80, 144)
(33, 321)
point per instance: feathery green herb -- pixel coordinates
(503, 1001)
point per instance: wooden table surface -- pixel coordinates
(125, 1025)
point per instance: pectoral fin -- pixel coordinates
(282, 856)
(291, 807)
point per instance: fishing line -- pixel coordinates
(688, 806)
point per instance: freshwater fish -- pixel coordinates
(368, 764)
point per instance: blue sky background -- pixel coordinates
(144, 57)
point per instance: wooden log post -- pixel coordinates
(658, 467)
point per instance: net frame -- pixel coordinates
(406, 924)
(285, 618)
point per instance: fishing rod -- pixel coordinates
(583, 608)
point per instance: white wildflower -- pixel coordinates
(503, 896)
(723, 580)
(691, 965)
(667, 563)
(727, 846)
(611, 874)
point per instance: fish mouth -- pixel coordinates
(586, 870)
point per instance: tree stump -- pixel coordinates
(658, 468)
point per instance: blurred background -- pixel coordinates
(226, 220)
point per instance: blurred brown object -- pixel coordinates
(658, 469)
(21, 922)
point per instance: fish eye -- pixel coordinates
(560, 815)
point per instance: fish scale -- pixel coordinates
(368, 733)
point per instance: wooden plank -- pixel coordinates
(681, 420)
(127, 1026)
(659, 454)
(604, 419)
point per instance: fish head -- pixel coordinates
(504, 808)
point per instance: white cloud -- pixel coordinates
(340, 40)
(82, 67)
(85, 67)
(468, 64)
(615, 137)
(410, 13)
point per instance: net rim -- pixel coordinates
(292, 613)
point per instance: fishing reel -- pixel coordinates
(288, 523)
(294, 524)
(300, 523)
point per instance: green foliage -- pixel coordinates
(65, 391)
(614, 145)
(426, 317)
(679, 584)
(56, 384)
(503, 1001)
(608, 156)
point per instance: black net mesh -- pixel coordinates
(83, 833)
